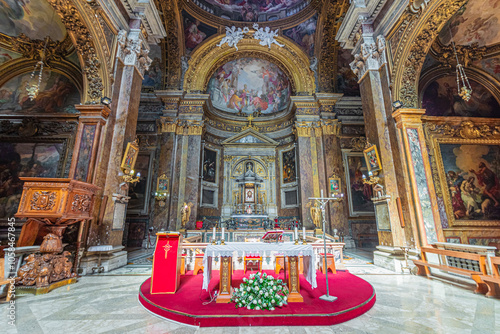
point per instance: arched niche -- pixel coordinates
(438, 94)
(248, 85)
(58, 94)
(207, 58)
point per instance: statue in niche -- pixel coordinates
(316, 215)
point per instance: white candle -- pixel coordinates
(304, 233)
(321, 193)
(213, 234)
(296, 233)
(222, 238)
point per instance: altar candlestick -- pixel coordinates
(222, 238)
(296, 233)
(304, 233)
(213, 234)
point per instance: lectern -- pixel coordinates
(166, 274)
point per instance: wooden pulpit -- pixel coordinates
(167, 257)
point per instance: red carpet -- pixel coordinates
(355, 297)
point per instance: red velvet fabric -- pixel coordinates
(355, 297)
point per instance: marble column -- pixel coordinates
(310, 153)
(186, 172)
(333, 161)
(428, 223)
(167, 127)
(370, 66)
(131, 62)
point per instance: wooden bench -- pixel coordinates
(493, 281)
(423, 266)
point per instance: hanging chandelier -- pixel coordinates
(33, 87)
(463, 85)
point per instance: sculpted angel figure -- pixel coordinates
(316, 215)
(233, 36)
(185, 213)
(266, 36)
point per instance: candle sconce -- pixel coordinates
(129, 176)
(378, 189)
(127, 172)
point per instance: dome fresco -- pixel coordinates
(252, 10)
(249, 85)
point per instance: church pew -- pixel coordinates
(423, 266)
(493, 281)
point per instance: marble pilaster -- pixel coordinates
(370, 66)
(132, 60)
(186, 171)
(428, 223)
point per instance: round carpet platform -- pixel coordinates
(355, 297)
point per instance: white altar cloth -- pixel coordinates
(263, 249)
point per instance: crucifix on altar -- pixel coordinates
(322, 201)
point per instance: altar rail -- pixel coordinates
(336, 248)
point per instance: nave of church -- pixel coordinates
(196, 164)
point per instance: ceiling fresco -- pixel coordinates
(34, 18)
(252, 10)
(303, 34)
(195, 31)
(249, 85)
(478, 23)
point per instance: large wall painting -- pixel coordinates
(288, 168)
(251, 10)
(303, 34)
(209, 165)
(153, 77)
(472, 173)
(249, 85)
(57, 95)
(491, 66)
(478, 22)
(347, 81)
(195, 31)
(26, 159)
(35, 18)
(441, 98)
(358, 193)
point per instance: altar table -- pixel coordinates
(289, 249)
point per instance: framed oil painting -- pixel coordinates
(162, 185)
(359, 194)
(469, 171)
(130, 156)
(43, 158)
(289, 171)
(209, 165)
(372, 159)
(334, 185)
(249, 195)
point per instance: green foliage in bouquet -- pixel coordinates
(260, 292)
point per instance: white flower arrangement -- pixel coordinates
(260, 292)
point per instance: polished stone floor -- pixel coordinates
(108, 304)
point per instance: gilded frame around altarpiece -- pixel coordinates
(437, 140)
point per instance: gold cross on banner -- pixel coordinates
(167, 248)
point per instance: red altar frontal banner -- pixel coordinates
(166, 274)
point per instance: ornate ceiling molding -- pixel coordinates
(89, 45)
(412, 41)
(290, 58)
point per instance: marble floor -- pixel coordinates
(108, 304)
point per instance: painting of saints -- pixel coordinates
(289, 172)
(359, 193)
(471, 173)
(249, 85)
(209, 165)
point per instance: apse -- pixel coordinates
(249, 85)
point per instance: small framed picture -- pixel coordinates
(372, 159)
(249, 195)
(335, 185)
(162, 185)
(131, 153)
